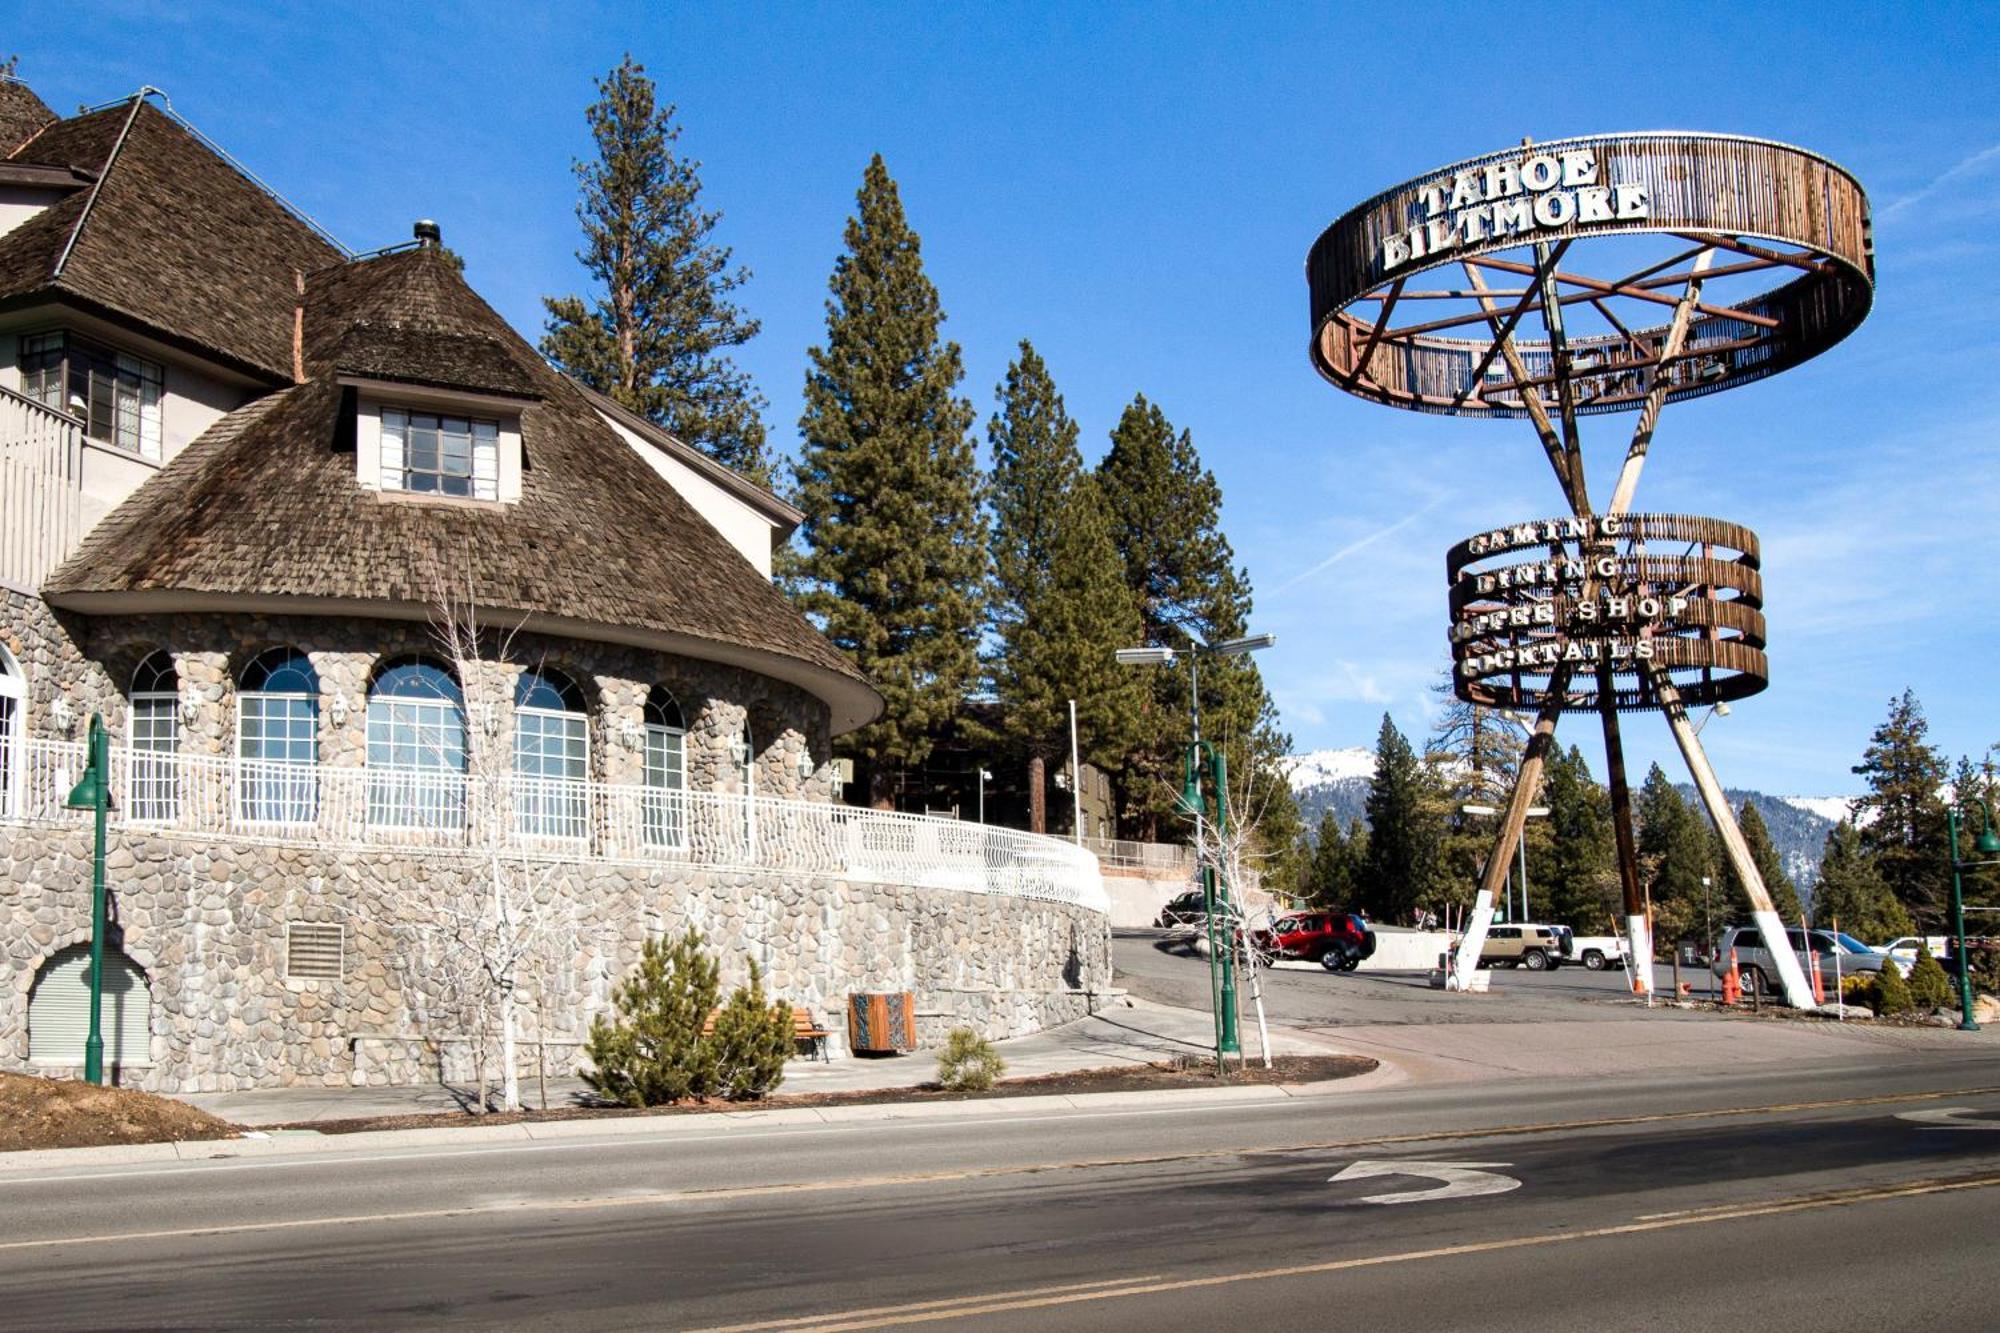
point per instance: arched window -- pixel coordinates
(666, 771)
(59, 1010)
(13, 734)
(152, 739)
(416, 747)
(551, 756)
(277, 739)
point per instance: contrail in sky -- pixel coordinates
(1965, 167)
(1354, 546)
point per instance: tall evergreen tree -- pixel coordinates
(1166, 520)
(894, 565)
(1851, 891)
(1059, 609)
(1472, 755)
(1338, 864)
(1902, 818)
(656, 334)
(1577, 877)
(1970, 785)
(1675, 854)
(1770, 868)
(1404, 831)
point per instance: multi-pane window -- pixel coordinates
(551, 756)
(13, 697)
(416, 748)
(118, 396)
(666, 771)
(433, 454)
(152, 741)
(277, 731)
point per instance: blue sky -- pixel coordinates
(1134, 188)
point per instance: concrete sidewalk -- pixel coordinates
(1129, 1031)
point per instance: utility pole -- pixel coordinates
(93, 792)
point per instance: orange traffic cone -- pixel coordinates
(1732, 982)
(1819, 986)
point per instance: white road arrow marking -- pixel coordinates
(1948, 1117)
(1462, 1180)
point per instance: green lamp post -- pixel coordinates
(1987, 844)
(93, 792)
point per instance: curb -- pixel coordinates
(723, 1122)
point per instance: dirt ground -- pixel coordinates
(65, 1113)
(1133, 1078)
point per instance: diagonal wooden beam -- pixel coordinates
(1603, 288)
(1656, 394)
(1375, 334)
(1503, 343)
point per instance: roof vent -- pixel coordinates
(427, 234)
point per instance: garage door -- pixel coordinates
(59, 1010)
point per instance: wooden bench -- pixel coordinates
(805, 1032)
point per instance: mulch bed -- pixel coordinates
(1131, 1078)
(66, 1113)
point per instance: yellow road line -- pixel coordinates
(805, 1320)
(841, 1322)
(724, 1193)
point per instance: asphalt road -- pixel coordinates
(1795, 1199)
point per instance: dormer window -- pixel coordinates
(435, 454)
(116, 395)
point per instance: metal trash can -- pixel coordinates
(881, 1022)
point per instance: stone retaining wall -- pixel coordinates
(207, 924)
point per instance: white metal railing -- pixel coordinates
(41, 488)
(206, 797)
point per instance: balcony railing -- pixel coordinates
(41, 488)
(200, 797)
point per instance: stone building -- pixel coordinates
(404, 640)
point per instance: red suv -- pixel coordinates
(1338, 941)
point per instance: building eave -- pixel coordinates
(782, 516)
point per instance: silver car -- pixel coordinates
(1835, 950)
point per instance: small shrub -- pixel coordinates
(751, 1042)
(1858, 990)
(1892, 993)
(1930, 988)
(653, 1053)
(968, 1062)
(1986, 971)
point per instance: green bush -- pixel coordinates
(1892, 993)
(1858, 990)
(1930, 988)
(751, 1042)
(968, 1062)
(653, 1052)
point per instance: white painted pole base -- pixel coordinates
(1639, 933)
(1473, 944)
(1798, 990)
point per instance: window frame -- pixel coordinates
(13, 733)
(551, 805)
(665, 809)
(393, 446)
(153, 770)
(418, 715)
(263, 783)
(76, 354)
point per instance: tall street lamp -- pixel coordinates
(1533, 812)
(984, 778)
(1988, 846)
(1215, 891)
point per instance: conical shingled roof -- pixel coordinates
(265, 506)
(169, 236)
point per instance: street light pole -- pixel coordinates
(1987, 844)
(1215, 887)
(93, 792)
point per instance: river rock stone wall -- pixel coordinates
(208, 921)
(208, 926)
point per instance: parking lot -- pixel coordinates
(1151, 964)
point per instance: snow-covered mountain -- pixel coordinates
(1322, 766)
(1833, 809)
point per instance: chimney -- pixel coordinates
(427, 234)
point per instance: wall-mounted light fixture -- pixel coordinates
(190, 707)
(336, 709)
(62, 714)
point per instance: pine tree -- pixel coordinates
(656, 335)
(1404, 833)
(1059, 609)
(1902, 818)
(652, 1051)
(1337, 865)
(1892, 992)
(1473, 755)
(1970, 785)
(1784, 895)
(1577, 877)
(1166, 520)
(1675, 854)
(894, 563)
(1930, 987)
(1852, 893)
